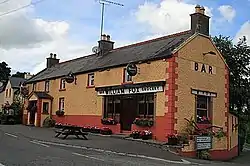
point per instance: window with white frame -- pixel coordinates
(126, 76)
(61, 104)
(203, 109)
(62, 84)
(91, 79)
(46, 86)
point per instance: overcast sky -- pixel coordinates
(70, 28)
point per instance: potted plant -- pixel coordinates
(146, 134)
(59, 112)
(109, 121)
(106, 131)
(135, 134)
(172, 139)
(95, 130)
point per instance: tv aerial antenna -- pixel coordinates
(103, 3)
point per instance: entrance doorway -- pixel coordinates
(32, 108)
(128, 112)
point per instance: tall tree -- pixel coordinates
(4, 71)
(237, 57)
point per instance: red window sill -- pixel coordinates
(125, 83)
(204, 126)
(92, 86)
(62, 89)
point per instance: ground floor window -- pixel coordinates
(140, 106)
(145, 106)
(203, 109)
(112, 107)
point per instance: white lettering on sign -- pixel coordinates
(203, 139)
(132, 90)
(203, 93)
(204, 68)
(203, 142)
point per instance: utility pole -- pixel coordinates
(103, 3)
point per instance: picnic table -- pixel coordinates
(67, 130)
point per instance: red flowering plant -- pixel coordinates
(106, 131)
(146, 134)
(203, 120)
(144, 122)
(172, 139)
(109, 121)
(135, 134)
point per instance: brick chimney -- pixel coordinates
(52, 60)
(200, 21)
(105, 44)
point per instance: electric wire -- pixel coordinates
(3, 2)
(20, 8)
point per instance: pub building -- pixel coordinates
(166, 80)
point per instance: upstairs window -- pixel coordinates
(203, 109)
(126, 76)
(61, 104)
(46, 86)
(91, 79)
(62, 84)
(34, 87)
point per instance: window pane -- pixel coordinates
(142, 108)
(151, 109)
(202, 102)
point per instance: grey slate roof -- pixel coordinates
(16, 81)
(153, 49)
(43, 95)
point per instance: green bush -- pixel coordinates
(49, 122)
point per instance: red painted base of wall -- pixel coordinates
(92, 120)
(221, 155)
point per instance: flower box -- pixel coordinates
(144, 122)
(95, 130)
(108, 121)
(106, 131)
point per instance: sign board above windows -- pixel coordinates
(131, 89)
(203, 68)
(203, 93)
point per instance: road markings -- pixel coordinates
(11, 135)
(1, 164)
(82, 155)
(34, 142)
(117, 153)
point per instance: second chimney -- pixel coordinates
(52, 60)
(105, 44)
(199, 21)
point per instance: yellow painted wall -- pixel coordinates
(233, 131)
(80, 100)
(2, 98)
(188, 78)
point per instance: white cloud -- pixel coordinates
(243, 31)
(228, 12)
(26, 42)
(167, 17)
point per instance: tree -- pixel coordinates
(4, 71)
(237, 57)
(19, 74)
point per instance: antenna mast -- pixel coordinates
(103, 3)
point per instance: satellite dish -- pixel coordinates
(96, 49)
